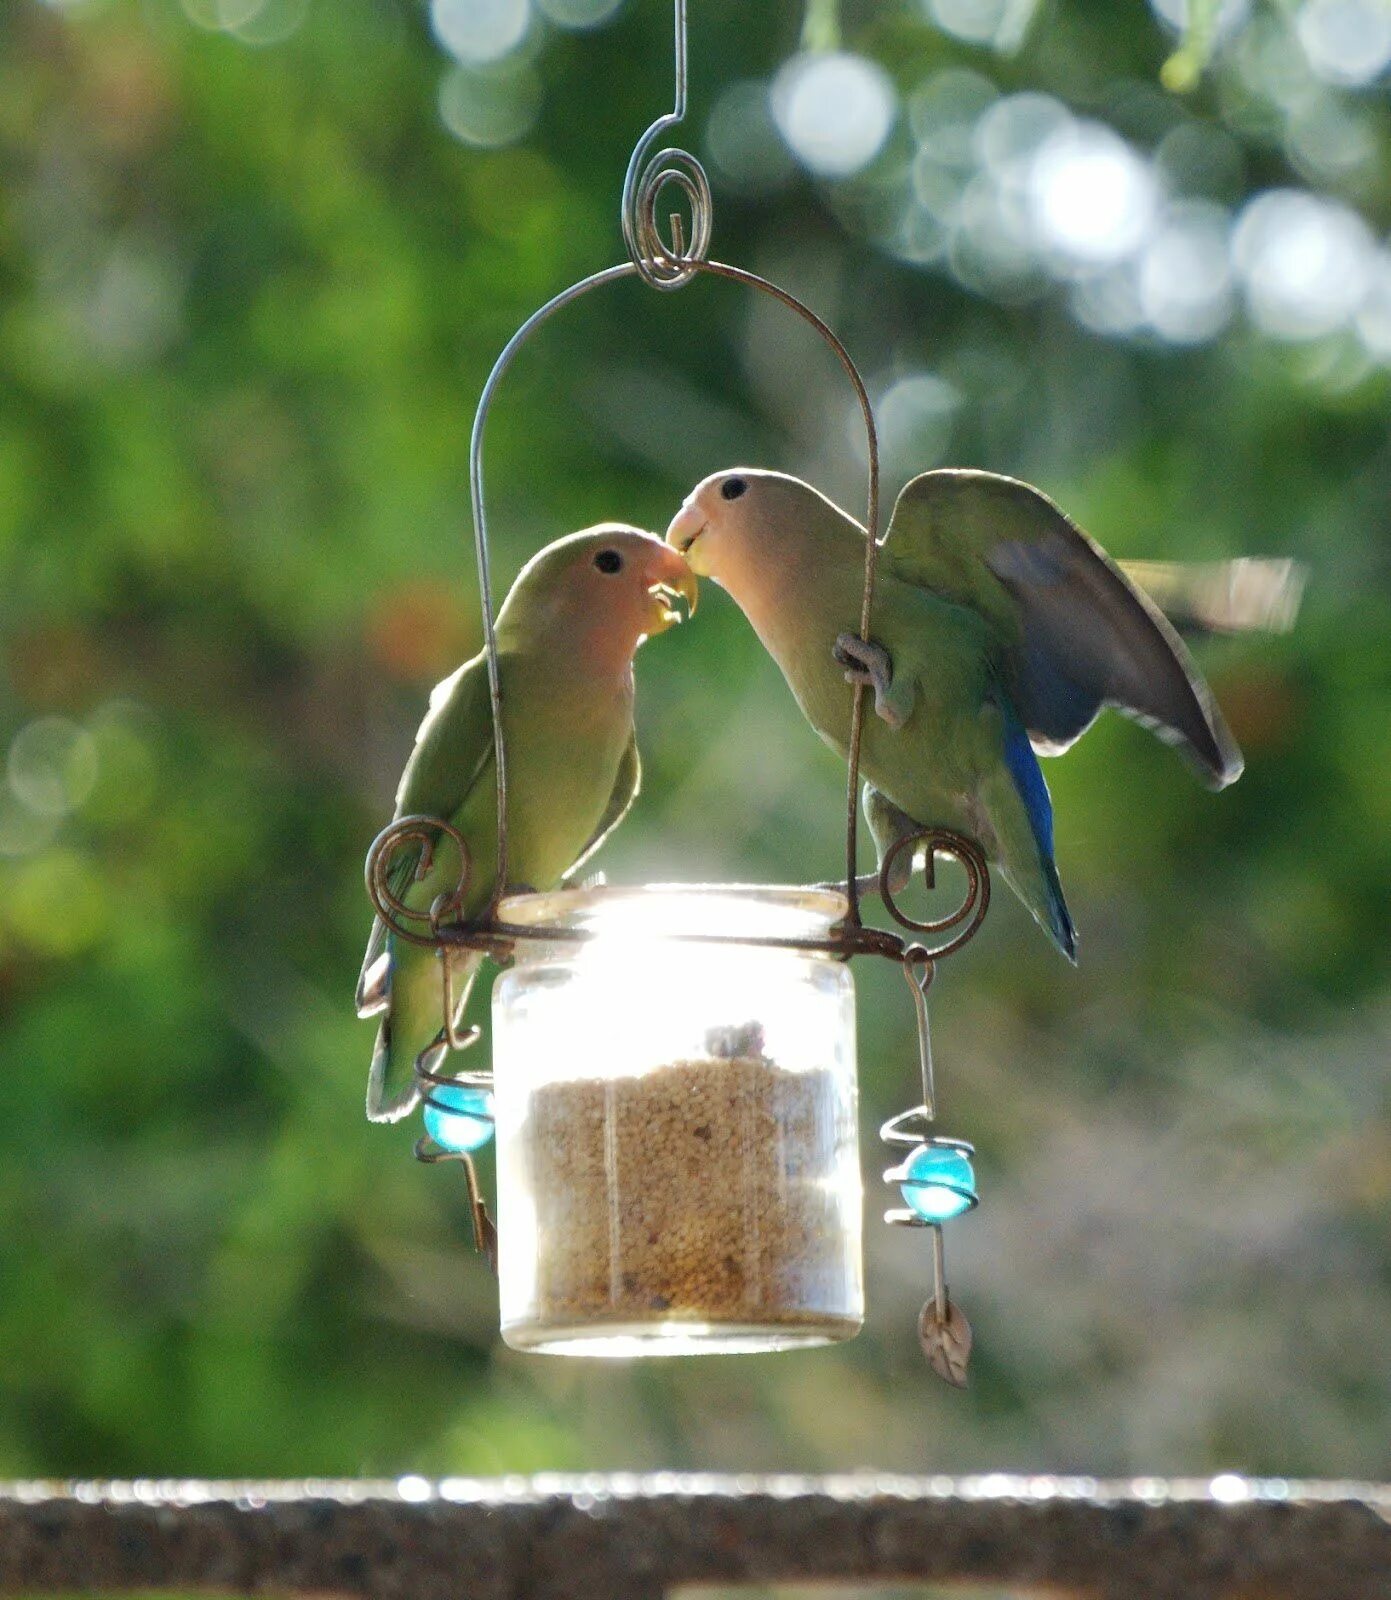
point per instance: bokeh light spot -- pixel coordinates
(578, 13)
(52, 765)
(993, 245)
(1305, 262)
(1374, 318)
(273, 22)
(1185, 278)
(22, 832)
(1328, 138)
(1012, 129)
(1178, 14)
(943, 112)
(478, 31)
(1109, 302)
(834, 110)
(916, 414)
(1093, 198)
(1001, 24)
(58, 903)
(221, 16)
(742, 139)
(124, 733)
(1346, 41)
(490, 106)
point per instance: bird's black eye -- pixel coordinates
(732, 488)
(609, 561)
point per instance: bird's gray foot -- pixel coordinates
(871, 665)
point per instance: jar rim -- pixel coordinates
(680, 910)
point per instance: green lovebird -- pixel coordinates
(566, 637)
(999, 630)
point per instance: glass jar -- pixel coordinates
(678, 1155)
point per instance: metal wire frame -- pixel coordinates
(668, 264)
(690, 265)
(495, 937)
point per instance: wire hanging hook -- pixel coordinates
(667, 264)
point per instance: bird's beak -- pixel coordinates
(677, 582)
(686, 527)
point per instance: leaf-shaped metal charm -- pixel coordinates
(946, 1342)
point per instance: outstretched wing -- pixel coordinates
(1077, 634)
(1249, 594)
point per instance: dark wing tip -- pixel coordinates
(1217, 758)
(1231, 770)
(381, 1105)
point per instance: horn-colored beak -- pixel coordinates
(678, 582)
(685, 527)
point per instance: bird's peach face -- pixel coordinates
(712, 520)
(631, 580)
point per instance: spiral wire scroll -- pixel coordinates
(667, 265)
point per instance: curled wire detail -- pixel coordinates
(402, 920)
(429, 1080)
(663, 263)
(969, 914)
(666, 264)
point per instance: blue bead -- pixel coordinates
(939, 1183)
(458, 1117)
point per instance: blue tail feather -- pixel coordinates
(1033, 791)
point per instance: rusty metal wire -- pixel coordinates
(490, 935)
(691, 265)
(665, 264)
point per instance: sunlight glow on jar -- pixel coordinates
(678, 1166)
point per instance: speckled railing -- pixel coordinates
(637, 1538)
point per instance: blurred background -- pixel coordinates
(256, 258)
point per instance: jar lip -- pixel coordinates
(658, 910)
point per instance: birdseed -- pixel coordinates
(703, 1190)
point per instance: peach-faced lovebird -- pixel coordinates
(999, 630)
(566, 637)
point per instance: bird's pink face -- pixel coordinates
(718, 522)
(621, 582)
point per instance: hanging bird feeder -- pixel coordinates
(674, 1083)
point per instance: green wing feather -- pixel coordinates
(1076, 633)
(625, 791)
(453, 755)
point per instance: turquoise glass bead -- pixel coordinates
(939, 1183)
(458, 1117)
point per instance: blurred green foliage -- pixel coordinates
(247, 299)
